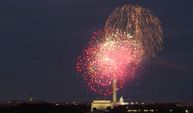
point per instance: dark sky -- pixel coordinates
(40, 41)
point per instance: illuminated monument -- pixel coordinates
(104, 104)
(114, 92)
(101, 105)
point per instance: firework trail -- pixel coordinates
(141, 24)
(131, 35)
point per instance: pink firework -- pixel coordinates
(110, 55)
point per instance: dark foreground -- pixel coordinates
(83, 108)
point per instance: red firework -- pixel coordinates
(110, 55)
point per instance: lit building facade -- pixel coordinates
(101, 105)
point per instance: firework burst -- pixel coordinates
(141, 24)
(131, 34)
(110, 55)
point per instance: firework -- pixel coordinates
(110, 55)
(131, 34)
(141, 24)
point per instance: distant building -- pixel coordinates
(101, 105)
(121, 101)
(30, 98)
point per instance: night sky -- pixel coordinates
(40, 41)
